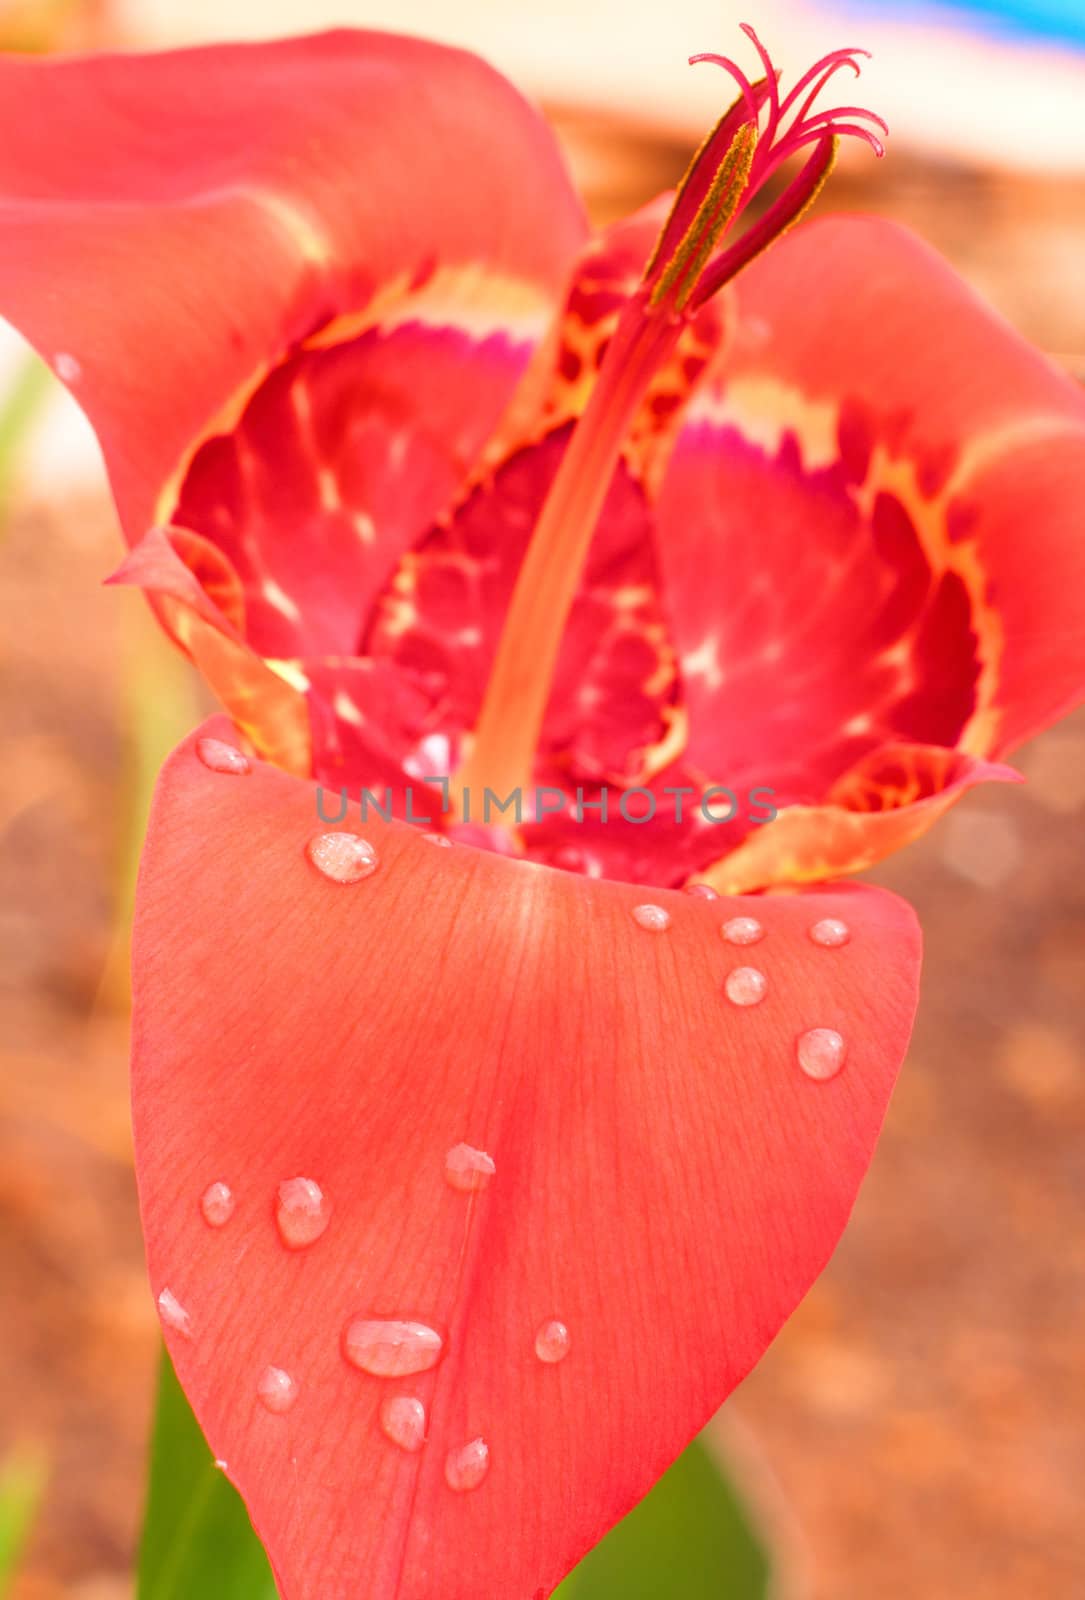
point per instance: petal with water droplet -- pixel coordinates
(634, 1116)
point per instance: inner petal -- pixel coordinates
(817, 610)
(339, 460)
(441, 617)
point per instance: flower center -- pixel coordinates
(695, 255)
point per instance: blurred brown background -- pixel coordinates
(919, 1427)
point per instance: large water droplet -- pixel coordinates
(173, 1313)
(831, 932)
(653, 918)
(387, 1347)
(223, 757)
(552, 1342)
(302, 1212)
(343, 857)
(742, 930)
(466, 1466)
(821, 1053)
(276, 1389)
(745, 986)
(468, 1169)
(403, 1420)
(217, 1204)
(701, 891)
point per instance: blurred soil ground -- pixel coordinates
(924, 1411)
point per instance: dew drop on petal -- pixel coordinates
(302, 1212)
(439, 839)
(342, 857)
(701, 891)
(745, 986)
(66, 367)
(821, 1053)
(173, 1313)
(552, 1342)
(387, 1347)
(276, 1389)
(217, 1204)
(468, 1169)
(403, 1420)
(831, 932)
(222, 757)
(653, 918)
(742, 930)
(466, 1466)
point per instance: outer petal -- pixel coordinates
(173, 223)
(667, 1184)
(876, 808)
(845, 562)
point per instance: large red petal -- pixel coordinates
(173, 223)
(867, 537)
(668, 1181)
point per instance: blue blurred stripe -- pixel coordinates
(1051, 19)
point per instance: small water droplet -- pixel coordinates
(66, 367)
(221, 1465)
(276, 1389)
(831, 932)
(217, 1204)
(653, 918)
(821, 1053)
(701, 891)
(466, 1466)
(742, 930)
(745, 986)
(438, 839)
(343, 857)
(552, 1342)
(222, 757)
(302, 1212)
(468, 1169)
(403, 1420)
(387, 1347)
(173, 1313)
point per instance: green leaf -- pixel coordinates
(20, 408)
(197, 1537)
(22, 1478)
(689, 1539)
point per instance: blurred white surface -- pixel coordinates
(945, 87)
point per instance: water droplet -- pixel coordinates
(466, 1467)
(217, 1204)
(221, 1465)
(404, 1421)
(302, 1212)
(66, 367)
(742, 930)
(389, 1348)
(654, 918)
(831, 932)
(343, 857)
(223, 757)
(468, 1169)
(276, 1389)
(821, 1053)
(745, 986)
(439, 839)
(552, 1342)
(173, 1313)
(701, 891)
